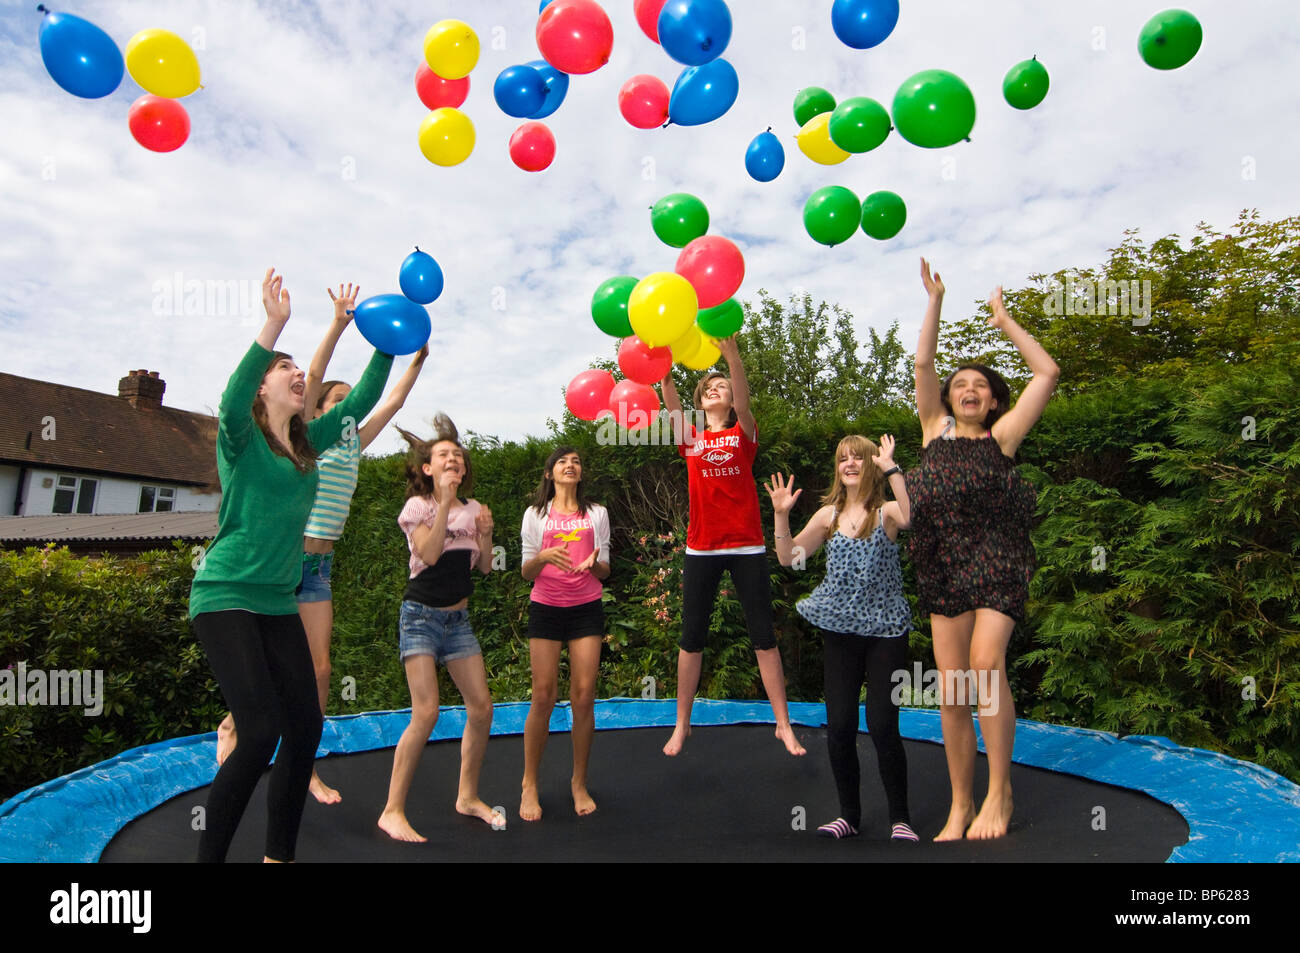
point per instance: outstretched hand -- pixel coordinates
(420, 355)
(275, 298)
(885, 459)
(933, 285)
(1000, 317)
(783, 494)
(483, 522)
(345, 304)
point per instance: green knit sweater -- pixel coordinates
(255, 561)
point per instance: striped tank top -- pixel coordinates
(337, 467)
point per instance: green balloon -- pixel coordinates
(883, 215)
(1170, 39)
(831, 215)
(810, 102)
(722, 321)
(859, 124)
(934, 109)
(609, 305)
(679, 219)
(1025, 85)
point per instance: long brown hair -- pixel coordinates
(300, 451)
(546, 489)
(703, 385)
(873, 482)
(419, 483)
(325, 391)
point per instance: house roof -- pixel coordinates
(104, 433)
(122, 526)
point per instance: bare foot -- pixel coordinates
(674, 746)
(786, 734)
(226, 739)
(959, 818)
(396, 826)
(582, 802)
(530, 809)
(322, 791)
(994, 817)
(476, 807)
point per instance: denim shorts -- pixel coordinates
(315, 585)
(444, 634)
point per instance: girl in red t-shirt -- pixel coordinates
(725, 533)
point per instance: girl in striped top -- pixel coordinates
(338, 481)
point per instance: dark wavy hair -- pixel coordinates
(325, 391)
(546, 489)
(703, 385)
(300, 451)
(1001, 392)
(419, 483)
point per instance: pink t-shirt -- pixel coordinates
(581, 534)
(462, 532)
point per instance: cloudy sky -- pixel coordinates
(303, 156)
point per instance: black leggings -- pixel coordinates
(847, 658)
(700, 578)
(264, 667)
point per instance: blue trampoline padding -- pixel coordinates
(1235, 810)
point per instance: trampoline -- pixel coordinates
(733, 795)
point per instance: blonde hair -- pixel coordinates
(873, 482)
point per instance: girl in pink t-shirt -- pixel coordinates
(448, 537)
(566, 555)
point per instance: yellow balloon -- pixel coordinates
(705, 357)
(162, 63)
(662, 307)
(815, 141)
(684, 347)
(446, 136)
(451, 49)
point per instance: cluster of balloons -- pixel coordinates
(833, 214)
(451, 51)
(665, 317)
(830, 133)
(85, 61)
(399, 324)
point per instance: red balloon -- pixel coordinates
(532, 147)
(647, 16)
(587, 395)
(436, 92)
(575, 36)
(634, 405)
(714, 266)
(641, 363)
(643, 101)
(161, 125)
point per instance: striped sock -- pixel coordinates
(839, 829)
(903, 831)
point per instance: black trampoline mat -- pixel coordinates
(733, 795)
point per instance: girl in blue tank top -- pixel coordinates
(862, 614)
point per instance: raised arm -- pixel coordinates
(898, 512)
(739, 386)
(235, 416)
(929, 406)
(326, 430)
(1012, 427)
(393, 403)
(810, 539)
(344, 305)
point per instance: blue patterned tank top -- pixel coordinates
(862, 593)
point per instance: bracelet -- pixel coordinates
(891, 471)
(778, 536)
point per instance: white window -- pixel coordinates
(157, 499)
(75, 494)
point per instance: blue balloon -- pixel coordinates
(765, 157)
(703, 93)
(863, 24)
(520, 91)
(694, 32)
(420, 278)
(557, 84)
(79, 56)
(543, 5)
(393, 324)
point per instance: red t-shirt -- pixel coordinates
(724, 497)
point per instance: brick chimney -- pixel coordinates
(142, 388)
